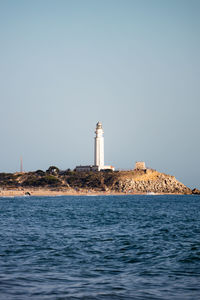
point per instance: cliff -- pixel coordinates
(144, 181)
(151, 181)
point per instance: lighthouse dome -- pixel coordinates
(99, 125)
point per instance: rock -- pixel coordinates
(196, 192)
(27, 194)
(159, 184)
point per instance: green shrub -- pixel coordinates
(42, 181)
(53, 170)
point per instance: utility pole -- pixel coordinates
(21, 165)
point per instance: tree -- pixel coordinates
(53, 170)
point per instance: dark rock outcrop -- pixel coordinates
(196, 192)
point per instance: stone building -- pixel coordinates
(140, 165)
(86, 168)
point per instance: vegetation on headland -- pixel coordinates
(135, 181)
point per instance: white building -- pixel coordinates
(98, 153)
(99, 146)
(99, 149)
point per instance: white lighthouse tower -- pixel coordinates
(99, 147)
(98, 153)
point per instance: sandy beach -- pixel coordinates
(52, 192)
(65, 192)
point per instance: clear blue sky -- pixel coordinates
(133, 65)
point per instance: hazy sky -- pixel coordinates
(133, 65)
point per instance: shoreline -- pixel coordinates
(133, 182)
(68, 192)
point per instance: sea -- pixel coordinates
(100, 247)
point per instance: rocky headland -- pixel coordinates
(53, 181)
(151, 181)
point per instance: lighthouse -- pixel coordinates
(99, 147)
(98, 153)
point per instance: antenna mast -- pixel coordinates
(21, 165)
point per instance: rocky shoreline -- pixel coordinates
(163, 184)
(56, 182)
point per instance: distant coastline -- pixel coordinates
(54, 182)
(69, 192)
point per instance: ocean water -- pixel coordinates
(103, 247)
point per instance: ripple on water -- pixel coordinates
(116, 247)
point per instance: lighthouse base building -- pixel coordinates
(98, 153)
